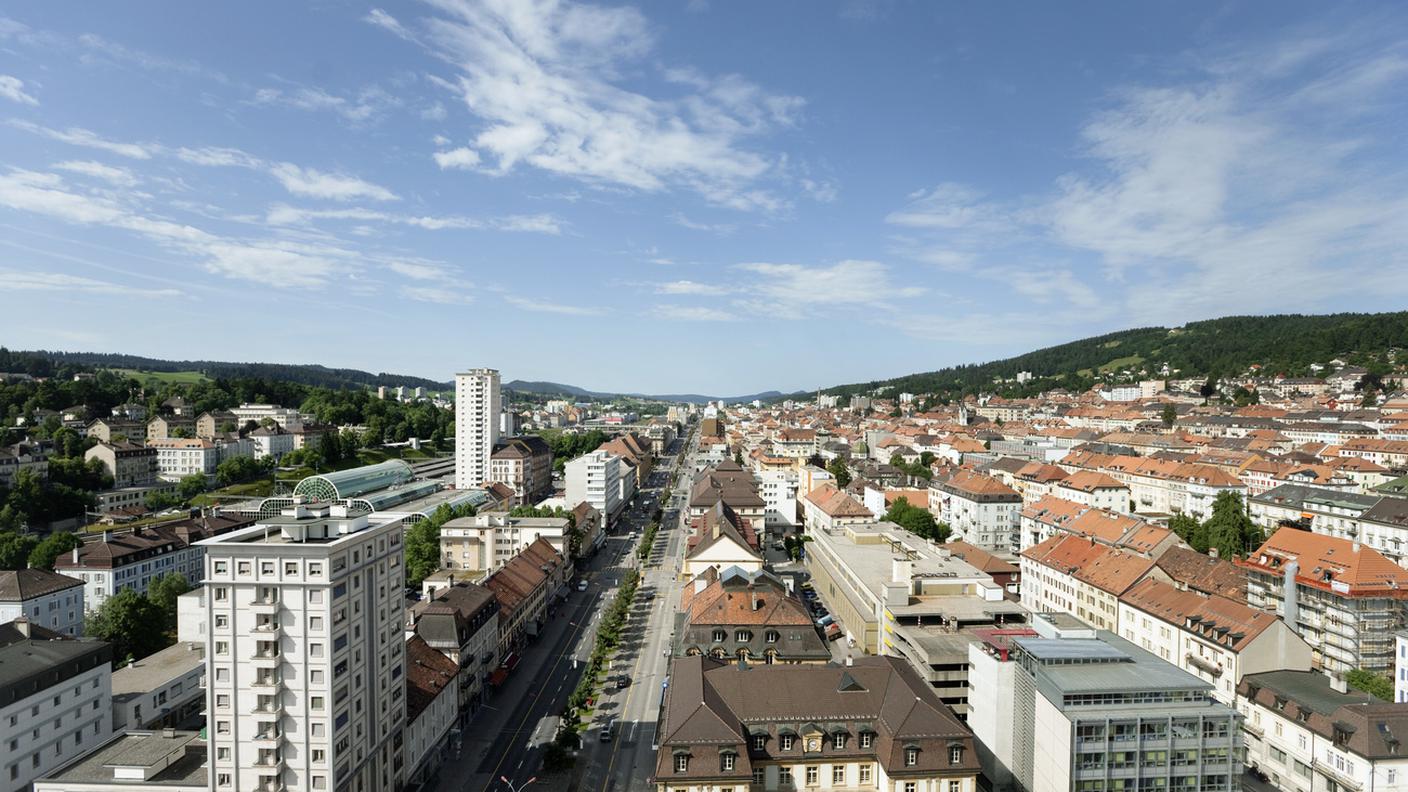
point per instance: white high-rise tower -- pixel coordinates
(477, 409)
(305, 653)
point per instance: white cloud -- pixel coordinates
(114, 51)
(69, 284)
(388, 23)
(369, 103)
(792, 291)
(76, 136)
(282, 262)
(692, 313)
(285, 215)
(435, 112)
(689, 287)
(215, 156)
(419, 271)
(695, 225)
(97, 170)
(546, 80)
(544, 306)
(462, 158)
(12, 88)
(439, 295)
(317, 184)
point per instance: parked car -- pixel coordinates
(622, 682)
(826, 621)
(607, 730)
(833, 631)
(581, 585)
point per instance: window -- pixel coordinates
(720, 636)
(221, 567)
(838, 775)
(784, 776)
(290, 567)
(954, 786)
(266, 567)
(681, 763)
(728, 760)
(319, 755)
(955, 755)
(786, 742)
(222, 779)
(838, 741)
(316, 702)
(743, 636)
(909, 786)
(758, 776)
(772, 636)
(866, 738)
(814, 776)
(221, 594)
(911, 757)
(864, 773)
(759, 742)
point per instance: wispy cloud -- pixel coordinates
(692, 313)
(77, 136)
(545, 306)
(332, 186)
(793, 291)
(364, 106)
(97, 170)
(439, 295)
(285, 215)
(61, 282)
(546, 80)
(689, 287)
(12, 88)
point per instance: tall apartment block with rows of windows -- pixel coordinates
(477, 408)
(305, 663)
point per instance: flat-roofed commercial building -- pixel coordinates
(1073, 708)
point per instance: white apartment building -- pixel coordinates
(160, 690)
(1400, 667)
(177, 458)
(1216, 639)
(477, 409)
(288, 418)
(980, 509)
(57, 695)
(779, 491)
(1307, 733)
(271, 442)
(306, 657)
(45, 598)
(485, 542)
(595, 478)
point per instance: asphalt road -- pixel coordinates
(498, 742)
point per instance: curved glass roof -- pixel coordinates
(381, 501)
(355, 481)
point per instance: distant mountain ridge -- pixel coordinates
(304, 374)
(559, 389)
(1283, 343)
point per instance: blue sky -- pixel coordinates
(697, 196)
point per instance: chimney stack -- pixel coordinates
(1212, 552)
(107, 536)
(22, 624)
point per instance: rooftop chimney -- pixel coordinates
(1212, 552)
(107, 536)
(22, 624)
(1338, 683)
(75, 555)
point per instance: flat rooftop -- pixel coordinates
(1103, 664)
(155, 670)
(175, 759)
(870, 549)
(963, 607)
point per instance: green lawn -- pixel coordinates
(174, 377)
(1118, 363)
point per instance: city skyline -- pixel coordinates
(838, 194)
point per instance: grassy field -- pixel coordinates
(1117, 363)
(165, 377)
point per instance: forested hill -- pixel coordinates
(1217, 347)
(309, 374)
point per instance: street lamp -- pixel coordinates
(520, 788)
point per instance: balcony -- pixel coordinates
(269, 764)
(271, 786)
(266, 660)
(267, 681)
(269, 705)
(269, 737)
(267, 629)
(264, 607)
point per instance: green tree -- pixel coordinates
(131, 623)
(1184, 525)
(15, 549)
(916, 520)
(1170, 416)
(1229, 529)
(54, 545)
(11, 521)
(840, 472)
(237, 469)
(1374, 684)
(164, 592)
(191, 486)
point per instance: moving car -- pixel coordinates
(607, 730)
(581, 585)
